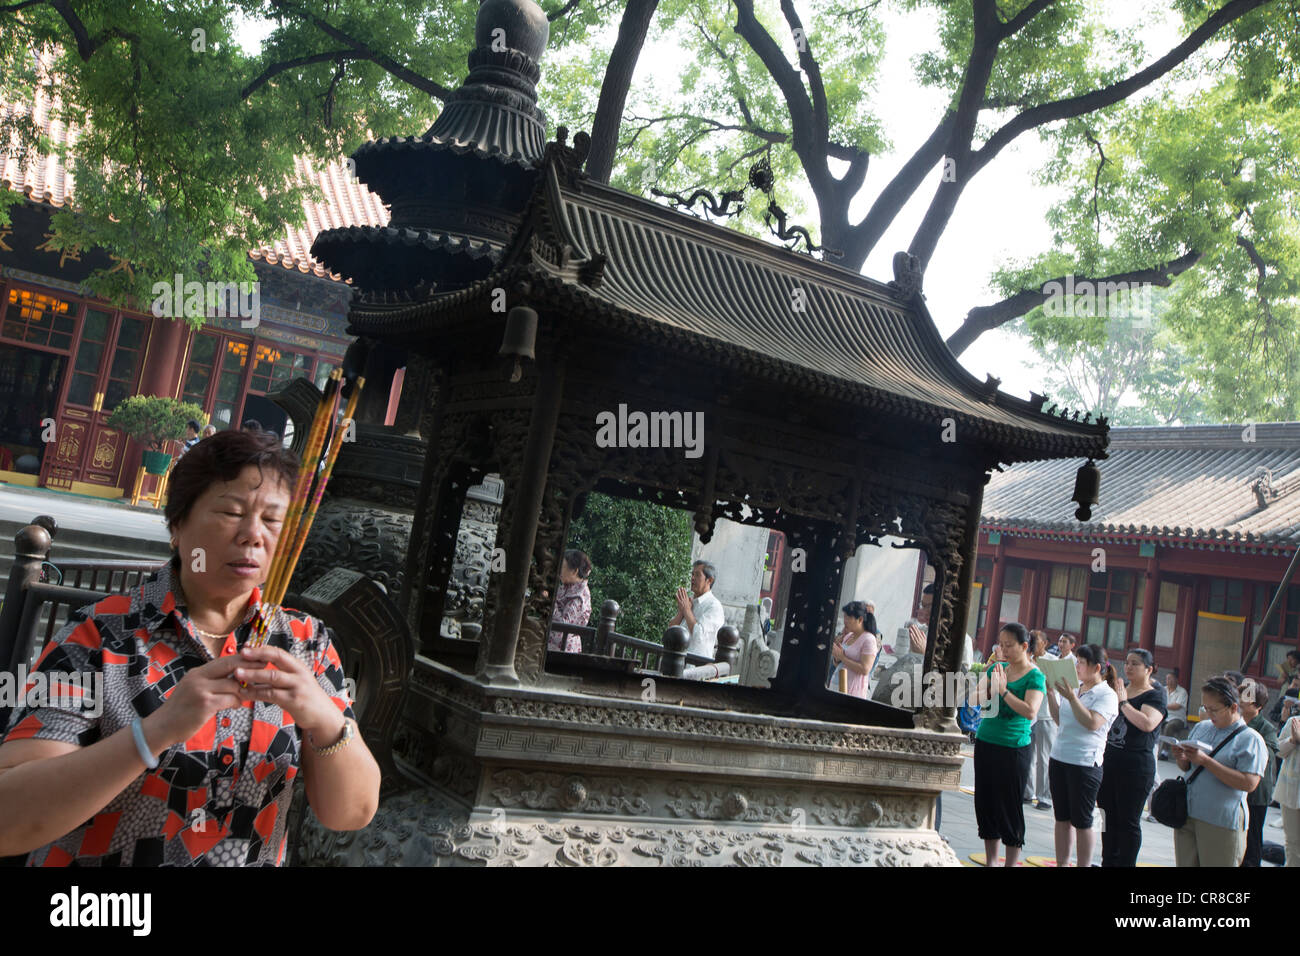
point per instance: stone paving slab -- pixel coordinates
(958, 824)
(116, 519)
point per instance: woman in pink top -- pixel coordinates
(856, 648)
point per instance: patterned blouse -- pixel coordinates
(572, 606)
(218, 799)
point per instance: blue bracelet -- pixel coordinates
(141, 745)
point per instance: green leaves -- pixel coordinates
(1217, 173)
(640, 554)
(154, 421)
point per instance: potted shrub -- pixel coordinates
(154, 422)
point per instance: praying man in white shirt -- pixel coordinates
(703, 615)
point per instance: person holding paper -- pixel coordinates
(1011, 690)
(1074, 772)
(1129, 768)
(1215, 831)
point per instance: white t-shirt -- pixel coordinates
(708, 618)
(1077, 745)
(1178, 698)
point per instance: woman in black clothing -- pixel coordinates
(1129, 767)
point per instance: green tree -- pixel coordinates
(1121, 359)
(640, 555)
(1209, 186)
(192, 139)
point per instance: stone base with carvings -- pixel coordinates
(426, 828)
(515, 777)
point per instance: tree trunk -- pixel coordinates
(613, 92)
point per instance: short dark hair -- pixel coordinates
(1016, 630)
(1144, 655)
(252, 425)
(1293, 654)
(193, 424)
(1174, 671)
(221, 457)
(579, 562)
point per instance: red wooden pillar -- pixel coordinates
(160, 374)
(1150, 607)
(992, 624)
(1185, 635)
(1033, 610)
(164, 358)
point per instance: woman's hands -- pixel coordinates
(289, 684)
(837, 651)
(201, 693)
(1195, 756)
(1121, 692)
(1065, 690)
(997, 681)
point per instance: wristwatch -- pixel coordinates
(349, 731)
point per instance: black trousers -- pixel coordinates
(1255, 834)
(1126, 779)
(1000, 777)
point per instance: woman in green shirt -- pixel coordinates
(1011, 690)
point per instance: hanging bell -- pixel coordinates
(1087, 482)
(520, 339)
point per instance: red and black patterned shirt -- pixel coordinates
(218, 799)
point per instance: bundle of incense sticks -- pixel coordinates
(324, 442)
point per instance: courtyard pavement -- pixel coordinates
(19, 504)
(958, 824)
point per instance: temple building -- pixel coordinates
(1193, 534)
(71, 358)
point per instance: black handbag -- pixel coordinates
(1169, 802)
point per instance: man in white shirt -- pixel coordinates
(1176, 721)
(703, 615)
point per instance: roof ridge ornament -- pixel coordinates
(761, 178)
(567, 160)
(908, 275)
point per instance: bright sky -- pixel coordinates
(1001, 216)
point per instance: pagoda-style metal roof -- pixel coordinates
(615, 261)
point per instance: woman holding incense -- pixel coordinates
(1011, 691)
(191, 754)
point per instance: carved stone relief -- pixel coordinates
(421, 828)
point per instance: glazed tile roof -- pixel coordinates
(344, 202)
(1191, 484)
(789, 317)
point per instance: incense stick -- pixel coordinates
(324, 441)
(304, 526)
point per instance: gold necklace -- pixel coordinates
(198, 630)
(208, 634)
